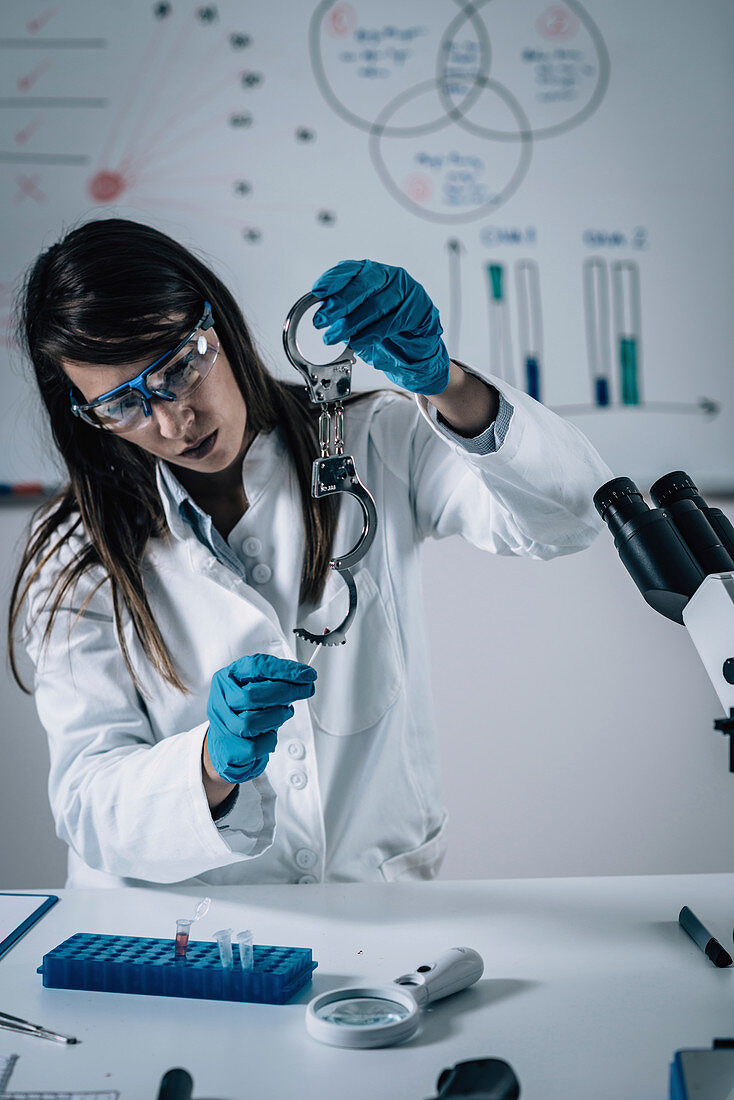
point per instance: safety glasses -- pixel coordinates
(172, 376)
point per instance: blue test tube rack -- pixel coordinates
(134, 964)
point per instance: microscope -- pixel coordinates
(680, 554)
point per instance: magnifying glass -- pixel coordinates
(378, 1016)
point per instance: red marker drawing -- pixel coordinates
(33, 26)
(25, 83)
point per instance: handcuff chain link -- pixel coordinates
(331, 429)
(325, 431)
(338, 428)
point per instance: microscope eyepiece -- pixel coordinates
(650, 547)
(618, 501)
(674, 487)
(707, 532)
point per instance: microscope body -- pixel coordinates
(709, 619)
(681, 557)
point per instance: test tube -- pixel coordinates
(596, 310)
(244, 940)
(626, 300)
(224, 939)
(500, 350)
(530, 323)
(183, 928)
(182, 938)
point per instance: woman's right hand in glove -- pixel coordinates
(249, 701)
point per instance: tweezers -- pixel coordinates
(24, 1027)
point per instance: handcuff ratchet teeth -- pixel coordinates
(333, 471)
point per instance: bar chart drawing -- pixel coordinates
(529, 324)
(613, 320)
(613, 331)
(500, 339)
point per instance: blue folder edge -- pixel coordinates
(680, 1079)
(47, 900)
(678, 1090)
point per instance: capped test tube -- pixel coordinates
(626, 302)
(500, 346)
(244, 941)
(530, 323)
(596, 310)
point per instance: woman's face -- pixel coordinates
(204, 431)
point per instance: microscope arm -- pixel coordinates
(709, 619)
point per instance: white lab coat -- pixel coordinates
(352, 792)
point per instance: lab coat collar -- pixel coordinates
(263, 460)
(174, 498)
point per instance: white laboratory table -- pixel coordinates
(589, 987)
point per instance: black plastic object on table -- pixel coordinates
(479, 1079)
(177, 1084)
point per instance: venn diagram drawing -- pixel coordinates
(452, 112)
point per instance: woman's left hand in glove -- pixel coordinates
(387, 319)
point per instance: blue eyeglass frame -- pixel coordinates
(138, 384)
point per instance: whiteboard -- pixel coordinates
(557, 175)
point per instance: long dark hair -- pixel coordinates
(107, 293)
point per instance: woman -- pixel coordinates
(161, 587)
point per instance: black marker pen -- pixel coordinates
(702, 938)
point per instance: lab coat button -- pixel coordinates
(261, 573)
(296, 749)
(252, 547)
(306, 880)
(298, 780)
(305, 858)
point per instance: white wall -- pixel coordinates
(576, 726)
(576, 723)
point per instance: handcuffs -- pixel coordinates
(333, 471)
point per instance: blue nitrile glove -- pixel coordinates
(248, 702)
(387, 319)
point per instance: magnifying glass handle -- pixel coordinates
(454, 970)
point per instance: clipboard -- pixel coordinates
(20, 914)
